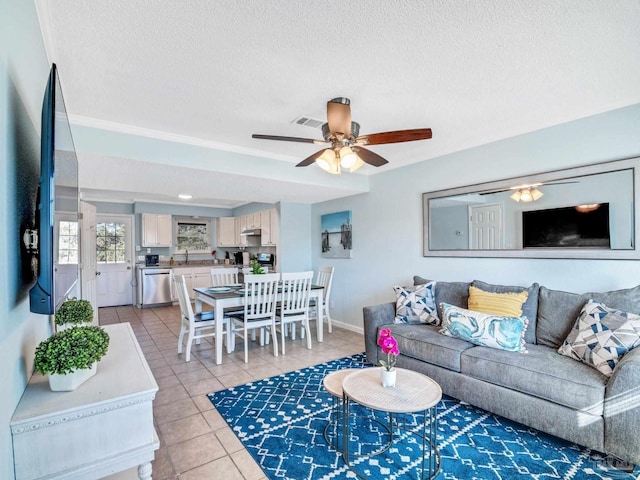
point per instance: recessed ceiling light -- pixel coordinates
(185, 196)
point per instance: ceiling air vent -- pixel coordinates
(308, 122)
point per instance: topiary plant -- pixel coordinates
(74, 312)
(76, 348)
(256, 268)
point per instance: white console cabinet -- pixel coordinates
(103, 427)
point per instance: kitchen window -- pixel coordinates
(193, 235)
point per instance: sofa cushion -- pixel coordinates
(423, 342)
(508, 304)
(495, 331)
(416, 304)
(601, 336)
(542, 373)
(453, 293)
(529, 309)
(557, 310)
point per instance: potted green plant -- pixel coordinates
(70, 356)
(73, 313)
(256, 268)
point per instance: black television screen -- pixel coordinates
(567, 227)
(57, 258)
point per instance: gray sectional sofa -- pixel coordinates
(542, 389)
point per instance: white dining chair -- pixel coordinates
(193, 324)
(260, 294)
(223, 276)
(294, 304)
(324, 278)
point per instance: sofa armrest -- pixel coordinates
(374, 317)
(622, 409)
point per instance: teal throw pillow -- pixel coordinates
(488, 330)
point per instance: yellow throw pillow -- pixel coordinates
(507, 304)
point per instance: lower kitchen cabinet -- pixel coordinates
(195, 277)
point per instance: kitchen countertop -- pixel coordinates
(194, 263)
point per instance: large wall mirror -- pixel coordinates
(583, 212)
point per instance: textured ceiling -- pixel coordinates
(205, 75)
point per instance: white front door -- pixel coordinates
(114, 236)
(88, 256)
(485, 227)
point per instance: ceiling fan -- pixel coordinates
(346, 144)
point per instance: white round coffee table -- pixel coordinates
(413, 393)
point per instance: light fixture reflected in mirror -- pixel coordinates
(527, 194)
(587, 208)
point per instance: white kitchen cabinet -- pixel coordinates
(156, 230)
(201, 279)
(241, 225)
(226, 232)
(195, 277)
(253, 220)
(270, 227)
(188, 276)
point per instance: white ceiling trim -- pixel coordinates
(172, 137)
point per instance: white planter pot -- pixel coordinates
(388, 377)
(71, 381)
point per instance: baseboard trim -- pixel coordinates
(347, 326)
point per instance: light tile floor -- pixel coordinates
(195, 442)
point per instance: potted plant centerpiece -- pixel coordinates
(256, 268)
(389, 346)
(73, 313)
(70, 356)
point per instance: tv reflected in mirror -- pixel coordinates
(57, 206)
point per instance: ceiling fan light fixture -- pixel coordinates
(590, 207)
(347, 158)
(356, 165)
(326, 160)
(526, 195)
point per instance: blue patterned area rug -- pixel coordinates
(280, 420)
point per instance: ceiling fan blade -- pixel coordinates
(287, 139)
(395, 137)
(309, 160)
(367, 156)
(339, 116)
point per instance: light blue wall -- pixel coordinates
(23, 75)
(294, 247)
(387, 222)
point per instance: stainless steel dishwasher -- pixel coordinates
(155, 286)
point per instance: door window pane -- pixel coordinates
(67, 243)
(110, 242)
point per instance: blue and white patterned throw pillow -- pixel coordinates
(601, 336)
(416, 304)
(495, 331)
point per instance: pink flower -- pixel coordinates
(389, 346)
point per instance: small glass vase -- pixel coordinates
(388, 377)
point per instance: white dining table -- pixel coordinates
(233, 299)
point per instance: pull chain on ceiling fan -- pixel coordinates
(346, 150)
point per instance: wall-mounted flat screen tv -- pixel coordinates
(58, 256)
(568, 227)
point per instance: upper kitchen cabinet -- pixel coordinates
(226, 232)
(241, 225)
(270, 226)
(156, 230)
